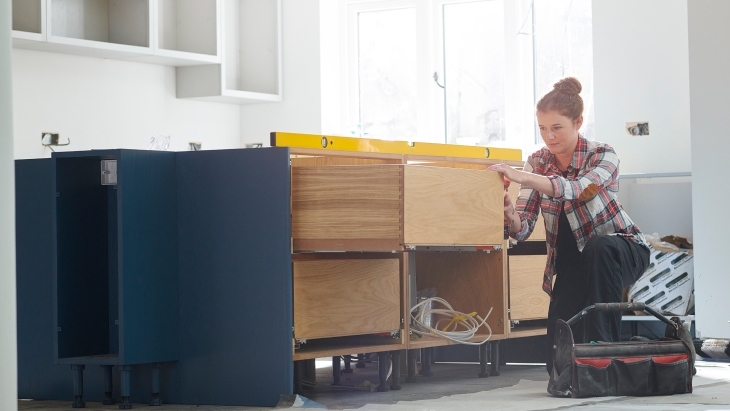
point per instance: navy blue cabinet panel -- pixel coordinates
(235, 276)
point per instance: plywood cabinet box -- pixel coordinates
(388, 207)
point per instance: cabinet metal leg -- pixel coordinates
(426, 362)
(360, 361)
(298, 374)
(155, 401)
(126, 381)
(395, 374)
(78, 374)
(411, 365)
(483, 360)
(348, 369)
(494, 360)
(336, 370)
(108, 387)
(383, 366)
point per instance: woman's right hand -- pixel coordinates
(509, 208)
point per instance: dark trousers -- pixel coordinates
(598, 274)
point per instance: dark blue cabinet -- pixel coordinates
(116, 252)
(185, 262)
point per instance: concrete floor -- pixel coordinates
(456, 387)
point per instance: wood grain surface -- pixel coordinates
(527, 299)
(334, 298)
(359, 202)
(469, 281)
(452, 206)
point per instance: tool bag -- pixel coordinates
(638, 367)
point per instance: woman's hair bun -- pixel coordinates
(568, 85)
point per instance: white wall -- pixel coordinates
(8, 345)
(641, 73)
(301, 110)
(709, 68)
(103, 104)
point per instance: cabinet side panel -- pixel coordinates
(198, 81)
(235, 277)
(147, 222)
(451, 206)
(38, 376)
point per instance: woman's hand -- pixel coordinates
(506, 171)
(509, 207)
(534, 181)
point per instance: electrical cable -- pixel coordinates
(471, 323)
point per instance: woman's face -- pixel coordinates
(559, 133)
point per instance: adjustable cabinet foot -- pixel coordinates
(395, 374)
(108, 399)
(298, 376)
(126, 379)
(411, 365)
(78, 375)
(360, 361)
(483, 360)
(336, 370)
(155, 400)
(383, 366)
(348, 369)
(426, 362)
(494, 361)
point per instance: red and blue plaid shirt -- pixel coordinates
(588, 194)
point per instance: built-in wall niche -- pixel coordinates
(250, 70)
(29, 21)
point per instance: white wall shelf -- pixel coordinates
(167, 32)
(29, 22)
(250, 69)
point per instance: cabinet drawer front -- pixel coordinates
(334, 298)
(527, 299)
(452, 206)
(347, 207)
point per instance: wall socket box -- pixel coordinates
(49, 139)
(638, 128)
(108, 172)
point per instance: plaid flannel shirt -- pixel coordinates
(588, 194)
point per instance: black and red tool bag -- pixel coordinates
(637, 367)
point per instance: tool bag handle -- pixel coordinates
(612, 307)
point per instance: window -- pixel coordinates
(462, 71)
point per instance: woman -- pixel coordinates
(594, 250)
